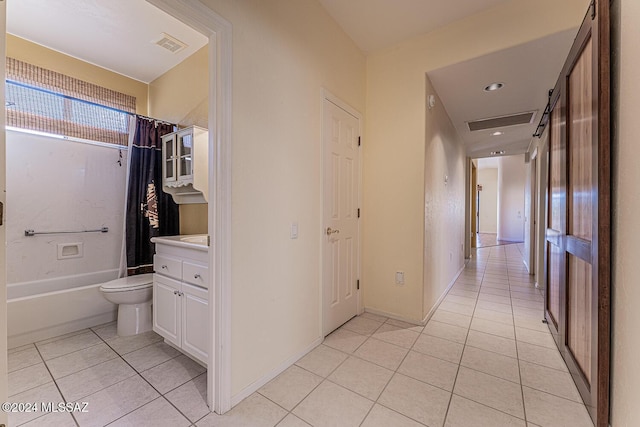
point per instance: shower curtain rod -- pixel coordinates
(154, 119)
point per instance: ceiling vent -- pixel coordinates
(504, 121)
(170, 43)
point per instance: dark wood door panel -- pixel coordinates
(578, 237)
(554, 257)
(580, 314)
(580, 145)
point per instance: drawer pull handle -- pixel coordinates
(196, 276)
(176, 293)
(164, 267)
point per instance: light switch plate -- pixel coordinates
(294, 230)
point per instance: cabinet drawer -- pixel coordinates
(167, 266)
(195, 274)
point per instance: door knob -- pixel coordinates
(331, 231)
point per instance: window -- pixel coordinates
(47, 101)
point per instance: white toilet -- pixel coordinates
(133, 295)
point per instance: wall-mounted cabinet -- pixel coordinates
(185, 167)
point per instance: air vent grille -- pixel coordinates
(170, 43)
(501, 122)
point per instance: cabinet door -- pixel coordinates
(168, 158)
(195, 321)
(167, 308)
(184, 158)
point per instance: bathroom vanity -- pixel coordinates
(181, 294)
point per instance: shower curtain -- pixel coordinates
(149, 211)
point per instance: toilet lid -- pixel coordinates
(130, 283)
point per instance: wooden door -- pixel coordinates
(578, 237)
(340, 232)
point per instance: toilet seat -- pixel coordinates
(130, 283)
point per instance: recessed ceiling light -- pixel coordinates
(498, 133)
(494, 86)
(497, 153)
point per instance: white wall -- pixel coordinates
(55, 184)
(511, 184)
(625, 347)
(284, 53)
(488, 209)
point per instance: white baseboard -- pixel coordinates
(428, 316)
(256, 385)
(444, 294)
(391, 315)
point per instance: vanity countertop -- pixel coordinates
(193, 241)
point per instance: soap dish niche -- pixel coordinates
(70, 250)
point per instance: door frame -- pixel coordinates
(329, 96)
(219, 31)
(3, 240)
(474, 206)
(532, 215)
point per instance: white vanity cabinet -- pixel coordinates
(181, 295)
(184, 165)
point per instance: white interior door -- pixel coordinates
(3, 200)
(340, 233)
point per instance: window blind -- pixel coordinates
(47, 101)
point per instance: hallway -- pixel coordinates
(484, 359)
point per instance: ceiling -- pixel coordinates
(108, 33)
(527, 71)
(125, 44)
(377, 24)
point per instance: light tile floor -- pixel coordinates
(484, 359)
(127, 381)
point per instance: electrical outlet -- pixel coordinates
(399, 277)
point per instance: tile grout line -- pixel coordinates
(145, 380)
(56, 384)
(464, 347)
(524, 407)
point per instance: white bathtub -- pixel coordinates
(47, 308)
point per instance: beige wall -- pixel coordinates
(181, 95)
(444, 204)
(428, 239)
(625, 379)
(193, 218)
(41, 56)
(284, 53)
(395, 135)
